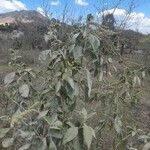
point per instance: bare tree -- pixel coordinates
(45, 5)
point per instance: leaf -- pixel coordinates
(118, 125)
(71, 133)
(28, 135)
(77, 52)
(25, 147)
(9, 78)
(134, 81)
(143, 74)
(71, 47)
(45, 91)
(42, 114)
(70, 81)
(89, 82)
(139, 81)
(73, 40)
(52, 145)
(69, 86)
(88, 134)
(3, 132)
(58, 124)
(84, 114)
(8, 142)
(94, 42)
(24, 90)
(110, 60)
(54, 123)
(58, 86)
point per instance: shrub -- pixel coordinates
(51, 105)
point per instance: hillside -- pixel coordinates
(25, 16)
(27, 30)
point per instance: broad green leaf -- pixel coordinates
(9, 78)
(26, 134)
(3, 132)
(89, 82)
(58, 124)
(70, 124)
(24, 90)
(94, 42)
(70, 81)
(51, 120)
(52, 145)
(71, 133)
(58, 86)
(25, 147)
(88, 134)
(54, 123)
(28, 69)
(69, 86)
(138, 81)
(118, 125)
(143, 74)
(42, 114)
(73, 40)
(84, 114)
(77, 52)
(71, 47)
(7, 142)
(45, 91)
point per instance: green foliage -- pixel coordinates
(47, 112)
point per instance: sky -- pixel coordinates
(139, 19)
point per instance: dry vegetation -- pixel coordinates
(84, 95)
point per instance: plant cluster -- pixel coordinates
(50, 105)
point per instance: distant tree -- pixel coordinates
(108, 20)
(90, 18)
